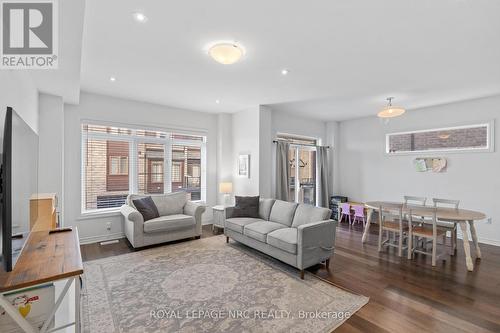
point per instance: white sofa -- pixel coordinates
(298, 234)
(179, 219)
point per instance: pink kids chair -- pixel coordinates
(359, 214)
(345, 210)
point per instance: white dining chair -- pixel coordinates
(426, 231)
(447, 224)
(392, 223)
(411, 200)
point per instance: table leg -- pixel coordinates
(474, 238)
(465, 238)
(367, 228)
(77, 305)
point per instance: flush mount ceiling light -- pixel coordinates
(140, 17)
(226, 53)
(112, 79)
(217, 101)
(391, 111)
(285, 71)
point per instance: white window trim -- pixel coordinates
(490, 128)
(133, 141)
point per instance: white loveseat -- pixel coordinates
(179, 219)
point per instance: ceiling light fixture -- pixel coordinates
(285, 71)
(444, 136)
(217, 101)
(226, 53)
(140, 17)
(112, 79)
(391, 111)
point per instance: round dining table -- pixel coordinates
(462, 217)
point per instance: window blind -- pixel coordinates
(117, 161)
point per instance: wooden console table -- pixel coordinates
(45, 258)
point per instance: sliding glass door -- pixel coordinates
(302, 170)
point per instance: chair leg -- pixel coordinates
(227, 239)
(380, 231)
(434, 250)
(400, 245)
(302, 274)
(327, 263)
(410, 246)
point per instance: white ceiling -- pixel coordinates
(65, 81)
(344, 57)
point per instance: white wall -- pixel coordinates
(283, 122)
(18, 90)
(104, 108)
(367, 173)
(51, 146)
(224, 151)
(245, 125)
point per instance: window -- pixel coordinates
(118, 165)
(117, 161)
(302, 169)
(463, 138)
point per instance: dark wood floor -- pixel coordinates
(405, 296)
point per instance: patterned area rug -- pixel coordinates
(208, 286)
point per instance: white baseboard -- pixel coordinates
(101, 238)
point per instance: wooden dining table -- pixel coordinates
(462, 217)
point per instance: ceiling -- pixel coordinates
(65, 81)
(345, 57)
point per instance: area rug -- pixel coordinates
(207, 285)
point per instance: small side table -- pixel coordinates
(219, 216)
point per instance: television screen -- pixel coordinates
(19, 185)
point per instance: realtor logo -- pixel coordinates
(29, 34)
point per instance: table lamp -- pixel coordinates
(227, 189)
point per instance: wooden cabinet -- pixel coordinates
(43, 212)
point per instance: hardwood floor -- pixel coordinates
(405, 296)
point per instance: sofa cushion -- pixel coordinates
(167, 204)
(169, 223)
(147, 208)
(171, 203)
(308, 213)
(282, 212)
(284, 239)
(238, 223)
(265, 206)
(259, 230)
(246, 207)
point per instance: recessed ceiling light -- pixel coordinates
(217, 101)
(112, 79)
(226, 53)
(140, 17)
(285, 71)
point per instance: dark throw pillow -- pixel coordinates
(147, 208)
(246, 207)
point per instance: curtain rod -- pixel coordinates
(299, 144)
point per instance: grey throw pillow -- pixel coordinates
(246, 207)
(147, 208)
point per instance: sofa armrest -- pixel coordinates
(228, 212)
(131, 214)
(315, 242)
(195, 210)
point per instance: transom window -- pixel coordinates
(117, 161)
(462, 138)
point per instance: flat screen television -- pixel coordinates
(19, 184)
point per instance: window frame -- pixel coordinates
(120, 172)
(133, 141)
(490, 126)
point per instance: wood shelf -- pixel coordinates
(45, 258)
